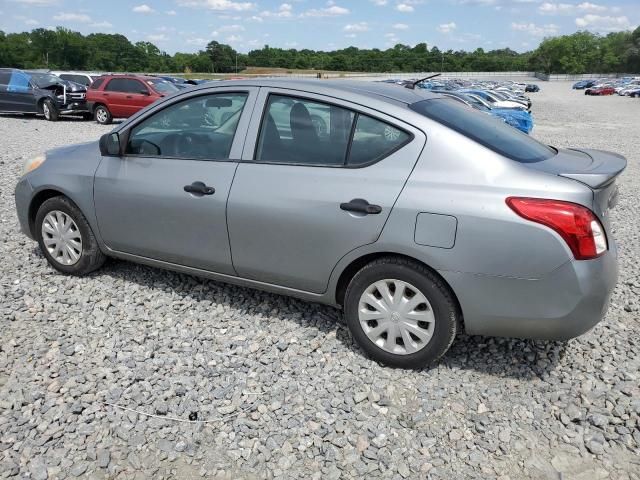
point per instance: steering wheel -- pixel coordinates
(148, 148)
(185, 143)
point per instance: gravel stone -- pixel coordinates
(38, 469)
(297, 398)
(103, 458)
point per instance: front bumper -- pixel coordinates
(564, 304)
(23, 195)
(73, 105)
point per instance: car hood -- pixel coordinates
(67, 151)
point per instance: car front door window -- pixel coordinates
(200, 127)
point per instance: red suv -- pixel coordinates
(120, 96)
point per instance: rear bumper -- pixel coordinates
(23, 195)
(564, 304)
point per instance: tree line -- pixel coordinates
(581, 52)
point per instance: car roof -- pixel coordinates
(338, 88)
(128, 76)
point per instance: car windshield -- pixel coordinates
(45, 79)
(484, 129)
(162, 86)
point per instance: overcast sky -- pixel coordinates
(188, 25)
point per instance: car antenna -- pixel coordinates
(412, 85)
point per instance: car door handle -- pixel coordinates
(360, 205)
(199, 188)
(129, 96)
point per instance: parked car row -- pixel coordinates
(504, 100)
(627, 86)
(91, 95)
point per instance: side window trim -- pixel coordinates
(300, 95)
(354, 125)
(251, 94)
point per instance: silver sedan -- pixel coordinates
(416, 215)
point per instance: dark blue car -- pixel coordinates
(582, 84)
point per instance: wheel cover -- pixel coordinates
(62, 238)
(396, 316)
(45, 110)
(101, 115)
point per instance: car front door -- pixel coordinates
(165, 197)
(138, 96)
(299, 198)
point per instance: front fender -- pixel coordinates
(70, 171)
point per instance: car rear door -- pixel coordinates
(114, 95)
(297, 206)
(166, 197)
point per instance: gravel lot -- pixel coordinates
(284, 389)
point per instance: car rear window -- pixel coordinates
(484, 129)
(72, 77)
(96, 83)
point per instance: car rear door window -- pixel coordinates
(373, 140)
(200, 128)
(117, 85)
(304, 132)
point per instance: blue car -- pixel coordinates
(582, 84)
(520, 119)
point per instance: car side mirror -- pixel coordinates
(144, 92)
(110, 145)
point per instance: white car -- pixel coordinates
(626, 89)
(83, 78)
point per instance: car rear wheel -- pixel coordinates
(400, 313)
(103, 115)
(49, 110)
(66, 239)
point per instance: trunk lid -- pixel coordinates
(595, 168)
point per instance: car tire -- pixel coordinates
(82, 254)
(436, 319)
(49, 110)
(102, 115)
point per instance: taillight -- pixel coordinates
(577, 225)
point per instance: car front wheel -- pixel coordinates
(400, 313)
(66, 239)
(49, 110)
